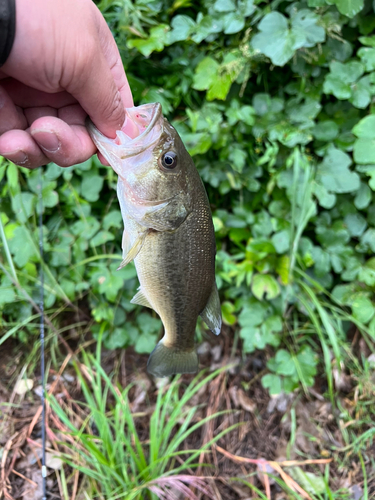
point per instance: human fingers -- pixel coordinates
(62, 143)
(24, 96)
(113, 58)
(33, 114)
(11, 116)
(19, 147)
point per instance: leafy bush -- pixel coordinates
(274, 101)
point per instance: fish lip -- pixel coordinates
(130, 149)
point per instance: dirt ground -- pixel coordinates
(279, 434)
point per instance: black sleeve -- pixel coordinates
(7, 28)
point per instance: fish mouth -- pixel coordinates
(142, 129)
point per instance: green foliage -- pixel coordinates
(274, 101)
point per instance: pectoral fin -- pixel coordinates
(141, 299)
(211, 314)
(134, 250)
(168, 217)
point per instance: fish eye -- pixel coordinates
(169, 160)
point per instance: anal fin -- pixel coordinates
(133, 252)
(141, 299)
(211, 314)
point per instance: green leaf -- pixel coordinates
(224, 6)
(326, 199)
(326, 131)
(356, 224)
(205, 74)
(334, 172)
(367, 56)
(276, 40)
(219, 87)
(367, 273)
(23, 205)
(227, 309)
(365, 128)
(361, 93)
(145, 343)
(91, 186)
(281, 241)
(304, 24)
(282, 363)
(362, 308)
(113, 219)
(7, 293)
(100, 238)
(265, 286)
(182, 27)
(364, 151)
(349, 7)
(312, 483)
(253, 313)
(272, 382)
(341, 77)
(363, 197)
(233, 23)
(22, 246)
(155, 42)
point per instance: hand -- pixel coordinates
(64, 64)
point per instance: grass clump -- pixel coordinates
(121, 461)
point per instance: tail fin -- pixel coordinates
(165, 361)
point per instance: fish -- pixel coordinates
(168, 232)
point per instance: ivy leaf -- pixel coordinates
(205, 74)
(155, 42)
(91, 186)
(22, 247)
(356, 224)
(282, 363)
(265, 285)
(224, 6)
(205, 25)
(342, 75)
(253, 313)
(348, 7)
(367, 56)
(367, 273)
(23, 205)
(334, 172)
(364, 146)
(326, 199)
(362, 308)
(361, 93)
(272, 382)
(7, 293)
(182, 27)
(100, 238)
(233, 23)
(304, 22)
(363, 197)
(281, 241)
(227, 309)
(326, 131)
(276, 40)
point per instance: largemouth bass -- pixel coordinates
(168, 231)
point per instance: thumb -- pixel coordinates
(96, 91)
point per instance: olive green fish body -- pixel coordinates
(168, 231)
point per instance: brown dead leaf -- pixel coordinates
(245, 402)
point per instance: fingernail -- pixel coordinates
(47, 140)
(17, 157)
